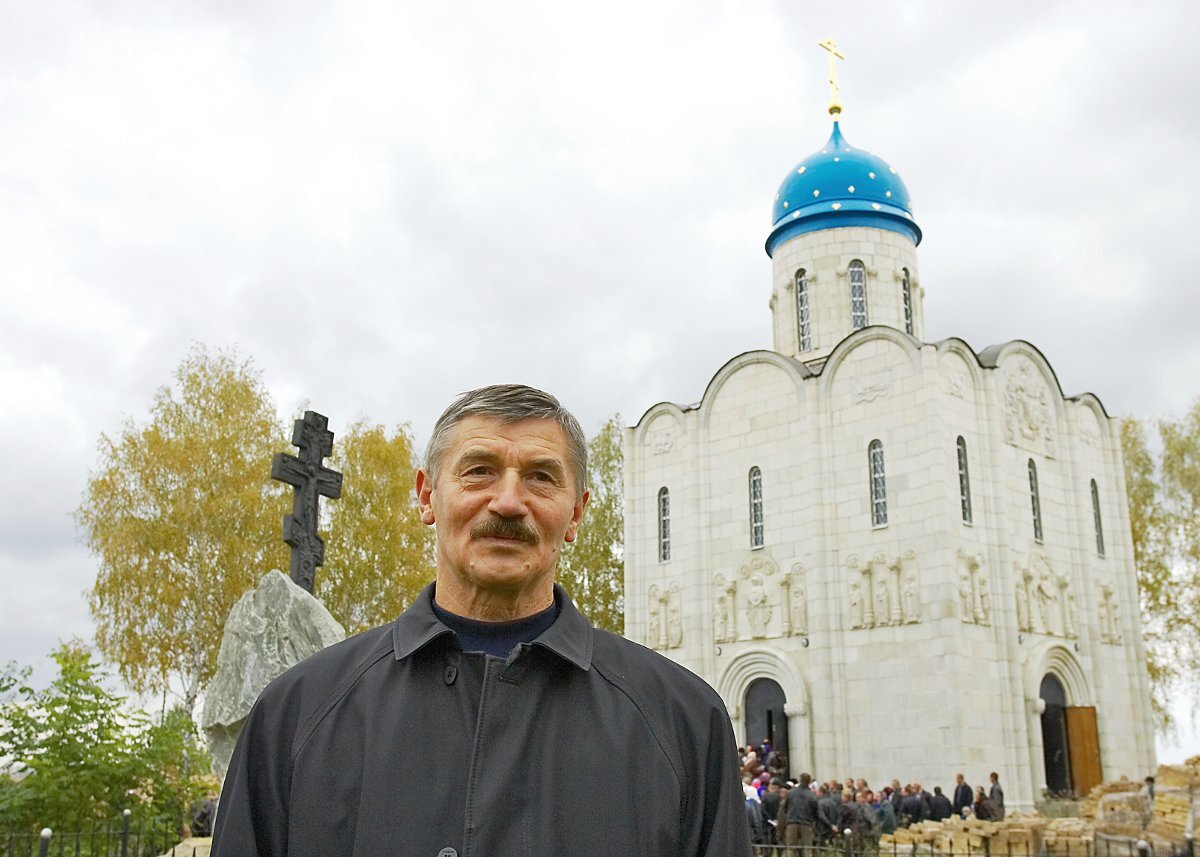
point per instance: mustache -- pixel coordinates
(504, 528)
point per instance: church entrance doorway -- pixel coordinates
(1055, 745)
(765, 717)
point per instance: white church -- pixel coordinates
(894, 558)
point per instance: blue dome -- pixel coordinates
(841, 186)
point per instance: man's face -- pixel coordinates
(959, 779)
(504, 503)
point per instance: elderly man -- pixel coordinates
(553, 737)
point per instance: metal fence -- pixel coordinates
(128, 839)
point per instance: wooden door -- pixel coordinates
(1084, 740)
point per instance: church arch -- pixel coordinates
(739, 674)
(790, 366)
(1061, 662)
(652, 415)
(907, 346)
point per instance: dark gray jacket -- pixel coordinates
(396, 742)
(802, 806)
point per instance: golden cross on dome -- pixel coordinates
(835, 106)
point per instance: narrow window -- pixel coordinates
(756, 508)
(803, 323)
(878, 485)
(1096, 517)
(1035, 501)
(964, 481)
(664, 525)
(858, 295)
(906, 288)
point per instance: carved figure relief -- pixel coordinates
(660, 440)
(794, 602)
(654, 628)
(724, 630)
(1110, 620)
(1045, 600)
(1028, 420)
(665, 628)
(674, 618)
(758, 609)
(956, 384)
(758, 605)
(884, 591)
(975, 600)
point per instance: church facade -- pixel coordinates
(895, 558)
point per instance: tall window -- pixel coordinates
(906, 287)
(803, 323)
(756, 508)
(878, 484)
(964, 481)
(664, 525)
(1035, 501)
(1096, 517)
(858, 295)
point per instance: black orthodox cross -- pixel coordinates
(311, 480)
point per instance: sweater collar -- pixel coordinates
(570, 637)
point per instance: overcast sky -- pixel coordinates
(386, 203)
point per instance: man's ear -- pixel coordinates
(576, 517)
(424, 490)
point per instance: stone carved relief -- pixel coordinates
(1045, 600)
(885, 591)
(660, 440)
(724, 615)
(795, 601)
(665, 628)
(956, 384)
(870, 392)
(1028, 420)
(1110, 619)
(975, 599)
(755, 572)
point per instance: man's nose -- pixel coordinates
(508, 498)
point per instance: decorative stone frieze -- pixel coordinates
(1110, 619)
(1028, 419)
(666, 619)
(974, 592)
(1045, 599)
(884, 591)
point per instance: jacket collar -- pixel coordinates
(570, 637)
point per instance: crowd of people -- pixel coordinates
(805, 813)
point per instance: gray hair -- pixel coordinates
(509, 403)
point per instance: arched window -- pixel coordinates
(1035, 501)
(1096, 517)
(803, 323)
(878, 485)
(906, 296)
(756, 508)
(664, 525)
(858, 295)
(964, 481)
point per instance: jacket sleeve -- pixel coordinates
(252, 819)
(720, 803)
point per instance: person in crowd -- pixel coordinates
(962, 795)
(985, 810)
(996, 795)
(802, 818)
(772, 798)
(912, 808)
(886, 813)
(939, 807)
(749, 789)
(829, 813)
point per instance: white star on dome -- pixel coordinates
(851, 188)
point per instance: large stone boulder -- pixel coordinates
(268, 630)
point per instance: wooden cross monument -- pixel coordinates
(311, 480)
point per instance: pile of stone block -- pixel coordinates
(1018, 835)
(1067, 837)
(1176, 801)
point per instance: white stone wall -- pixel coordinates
(825, 256)
(903, 650)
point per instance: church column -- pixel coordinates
(800, 755)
